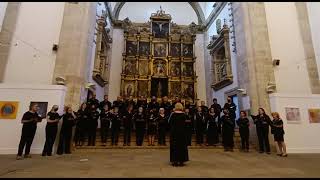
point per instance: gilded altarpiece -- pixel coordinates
(219, 47)
(159, 58)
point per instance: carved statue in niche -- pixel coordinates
(160, 29)
(188, 69)
(188, 91)
(175, 69)
(129, 89)
(175, 49)
(221, 71)
(160, 50)
(131, 48)
(144, 49)
(143, 68)
(143, 88)
(187, 50)
(159, 68)
(130, 67)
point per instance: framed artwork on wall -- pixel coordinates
(8, 109)
(293, 115)
(314, 115)
(43, 108)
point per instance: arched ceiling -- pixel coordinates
(195, 6)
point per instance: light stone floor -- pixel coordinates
(154, 163)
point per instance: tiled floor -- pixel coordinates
(155, 163)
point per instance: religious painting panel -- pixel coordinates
(159, 67)
(131, 48)
(175, 69)
(143, 88)
(175, 49)
(143, 67)
(129, 88)
(187, 50)
(188, 90)
(160, 50)
(159, 87)
(130, 67)
(187, 69)
(144, 49)
(160, 29)
(175, 88)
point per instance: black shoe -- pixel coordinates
(261, 152)
(43, 154)
(268, 152)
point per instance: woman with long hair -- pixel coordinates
(212, 128)
(263, 121)
(178, 139)
(278, 132)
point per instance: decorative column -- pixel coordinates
(75, 44)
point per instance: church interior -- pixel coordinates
(71, 53)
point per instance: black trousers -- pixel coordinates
(79, 135)
(51, 133)
(162, 135)
(264, 145)
(92, 131)
(27, 135)
(227, 136)
(189, 135)
(199, 135)
(115, 135)
(140, 131)
(127, 135)
(212, 135)
(244, 134)
(104, 131)
(65, 141)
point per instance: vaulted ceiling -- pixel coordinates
(114, 8)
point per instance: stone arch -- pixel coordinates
(195, 6)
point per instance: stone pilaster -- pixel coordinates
(305, 32)
(6, 34)
(75, 47)
(254, 66)
(208, 70)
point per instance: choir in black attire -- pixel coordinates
(162, 126)
(263, 121)
(140, 124)
(243, 123)
(29, 120)
(128, 125)
(92, 125)
(189, 126)
(212, 130)
(228, 125)
(105, 121)
(51, 130)
(178, 140)
(81, 125)
(66, 132)
(115, 126)
(200, 125)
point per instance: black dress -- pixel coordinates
(243, 124)
(140, 123)
(152, 124)
(212, 132)
(162, 127)
(81, 126)
(51, 133)
(178, 140)
(227, 132)
(66, 134)
(262, 126)
(278, 132)
(189, 128)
